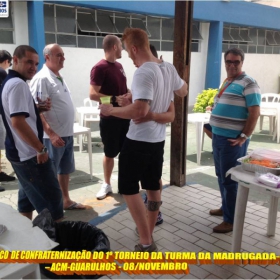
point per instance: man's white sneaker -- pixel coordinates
(105, 189)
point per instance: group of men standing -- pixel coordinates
(39, 124)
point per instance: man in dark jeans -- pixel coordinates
(5, 63)
(38, 185)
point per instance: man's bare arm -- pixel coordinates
(136, 110)
(94, 93)
(56, 140)
(163, 118)
(183, 91)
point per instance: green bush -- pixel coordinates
(204, 99)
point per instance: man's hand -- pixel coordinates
(42, 158)
(56, 140)
(238, 141)
(147, 118)
(45, 105)
(105, 109)
(124, 100)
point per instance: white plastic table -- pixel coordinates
(199, 119)
(246, 181)
(79, 131)
(21, 235)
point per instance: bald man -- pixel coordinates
(49, 85)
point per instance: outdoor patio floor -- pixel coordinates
(187, 225)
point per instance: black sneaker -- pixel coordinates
(1, 189)
(6, 178)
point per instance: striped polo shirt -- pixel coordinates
(230, 111)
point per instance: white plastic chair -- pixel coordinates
(270, 113)
(94, 115)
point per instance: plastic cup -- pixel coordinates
(105, 99)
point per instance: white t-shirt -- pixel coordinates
(17, 100)
(61, 115)
(155, 82)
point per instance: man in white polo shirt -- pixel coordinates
(58, 121)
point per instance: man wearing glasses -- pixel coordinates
(234, 116)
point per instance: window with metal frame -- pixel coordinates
(7, 28)
(86, 28)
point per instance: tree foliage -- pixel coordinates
(204, 99)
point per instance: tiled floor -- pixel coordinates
(188, 227)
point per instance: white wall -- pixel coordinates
(20, 18)
(79, 62)
(264, 68)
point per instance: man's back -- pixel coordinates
(155, 82)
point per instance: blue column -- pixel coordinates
(36, 28)
(213, 67)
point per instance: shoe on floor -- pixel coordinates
(1, 189)
(159, 219)
(6, 178)
(152, 248)
(224, 227)
(105, 189)
(216, 212)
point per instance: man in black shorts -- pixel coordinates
(141, 156)
(107, 78)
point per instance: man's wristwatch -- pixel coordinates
(43, 151)
(243, 135)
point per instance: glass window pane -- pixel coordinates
(195, 33)
(138, 23)
(252, 49)
(234, 33)
(225, 47)
(49, 17)
(226, 35)
(154, 27)
(49, 38)
(100, 42)
(156, 44)
(7, 23)
(65, 19)
(66, 40)
(243, 47)
(86, 42)
(168, 29)
(276, 50)
(245, 35)
(261, 37)
(260, 49)
(121, 23)
(105, 23)
(269, 49)
(167, 46)
(270, 39)
(194, 46)
(86, 22)
(6, 37)
(253, 33)
(233, 46)
(277, 37)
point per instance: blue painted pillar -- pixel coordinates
(213, 67)
(36, 28)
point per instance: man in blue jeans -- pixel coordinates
(38, 185)
(234, 116)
